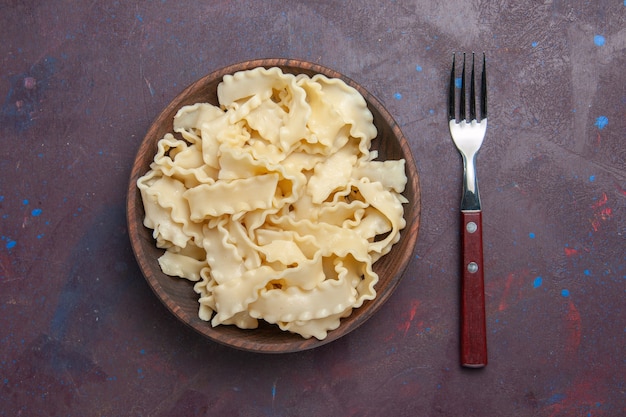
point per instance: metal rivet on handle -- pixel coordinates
(471, 227)
(472, 267)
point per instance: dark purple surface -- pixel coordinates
(81, 333)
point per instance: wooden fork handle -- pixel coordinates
(473, 326)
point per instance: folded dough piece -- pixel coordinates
(230, 197)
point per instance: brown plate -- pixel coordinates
(178, 295)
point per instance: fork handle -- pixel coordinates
(473, 326)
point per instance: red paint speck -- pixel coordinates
(602, 201)
(406, 325)
(584, 394)
(570, 251)
(595, 225)
(512, 280)
(505, 294)
(574, 328)
(606, 212)
(508, 291)
(601, 212)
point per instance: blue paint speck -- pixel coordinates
(139, 17)
(537, 282)
(458, 82)
(556, 398)
(142, 351)
(599, 40)
(25, 202)
(1, 198)
(534, 44)
(431, 111)
(565, 293)
(10, 244)
(36, 212)
(418, 68)
(587, 272)
(397, 96)
(531, 235)
(601, 122)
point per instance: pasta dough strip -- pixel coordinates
(247, 194)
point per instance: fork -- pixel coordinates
(468, 134)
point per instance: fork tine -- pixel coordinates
(462, 104)
(472, 103)
(483, 91)
(451, 93)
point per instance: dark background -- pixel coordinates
(81, 333)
